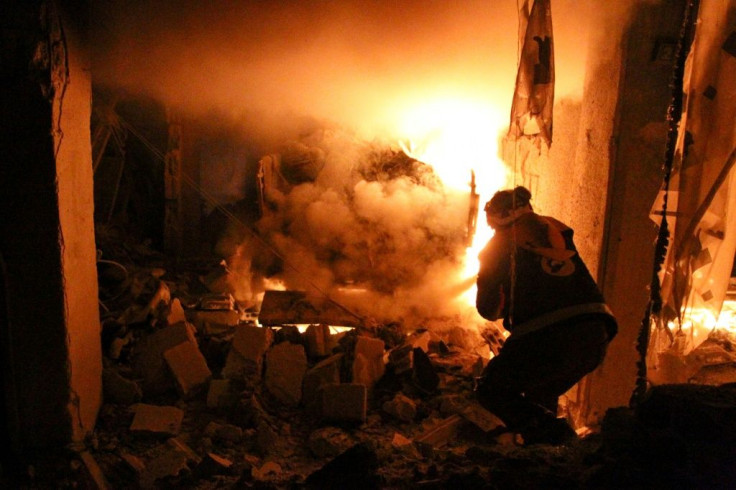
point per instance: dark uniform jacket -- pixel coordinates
(550, 282)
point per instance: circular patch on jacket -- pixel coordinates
(561, 268)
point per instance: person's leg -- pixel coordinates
(579, 347)
(502, 385)
(521, 385)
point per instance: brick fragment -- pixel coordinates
(149, 363)
(324, 372)
(189, 368)
(157, 419)
(249, 345)
(218, 393)
(286, 364)
(368, 366)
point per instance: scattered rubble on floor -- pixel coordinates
(197, 395)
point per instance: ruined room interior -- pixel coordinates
(239, 240)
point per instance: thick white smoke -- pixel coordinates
(361, 65)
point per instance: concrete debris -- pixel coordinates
(218, 394)
(247, 406)
(368, 366)
(319, 341)
(345, 402)
(419, 339)
(480, 417)
(324, 372)
(176, 312)
(157, 419)
(217, 302)
(215, 322)
(440, 432)
(148, 359)
(189, 368)
(269, 470)
(249, 346)
(402, 407)
(286, 364)
(299, 308)
(329, 441)
(117, 389)
(170, 460)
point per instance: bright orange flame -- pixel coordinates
(456, 136)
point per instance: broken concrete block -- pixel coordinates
(419, 339)
(318, 340)
(157, 419)
(218, 393)
(249, 346)
(441, 432)
(404, 445)
(212, 322)
(117, 389)
(480, 417)
(238, 367)
(171, 460)
(368, 366)
(286, 364)
(402, 407)
(222, 301)
(329, 442)
(345, 402)
(324, 372)
(400, 358)
(176, 313)
(252, 342)
(189, 368)
(149, 363)
(161, 298)
(269, 470)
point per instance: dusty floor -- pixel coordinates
(419, 429)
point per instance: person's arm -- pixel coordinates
(494, 263)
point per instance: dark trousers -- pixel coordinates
(522, 383)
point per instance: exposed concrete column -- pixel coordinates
(637, 70)
(52, 330)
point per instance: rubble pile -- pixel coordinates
(198, 394)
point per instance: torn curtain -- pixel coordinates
(700, 256)
(531, 109)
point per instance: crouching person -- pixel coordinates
(532, 277)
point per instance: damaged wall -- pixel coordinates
(50, 335)
(619, 161)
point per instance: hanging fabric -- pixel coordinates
(697, 269)
(531, 109)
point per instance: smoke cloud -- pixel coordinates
(354, 64)
(352, 61)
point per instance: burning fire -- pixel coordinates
(459, 137)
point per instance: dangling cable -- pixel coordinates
(674, 114)
(512, 257)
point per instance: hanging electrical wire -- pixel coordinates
(674, 114)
